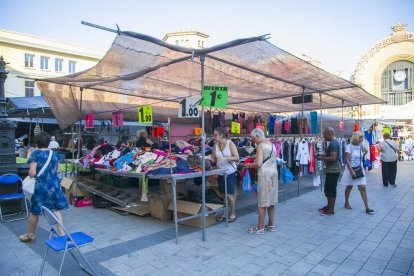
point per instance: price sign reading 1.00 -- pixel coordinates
(188, 108)
(145, 114)
(215, 96)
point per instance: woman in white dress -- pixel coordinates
(354, 155)
(267, 181)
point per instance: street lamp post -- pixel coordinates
(7, 129)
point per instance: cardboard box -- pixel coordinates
(166, 187)
(159, 207)
(72, 188)
(187, 208)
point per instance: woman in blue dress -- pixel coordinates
(47, 191)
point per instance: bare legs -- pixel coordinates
(262, 213)
(31, 228)
(363, 192)
(232, 202)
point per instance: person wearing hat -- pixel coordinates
(53, 144)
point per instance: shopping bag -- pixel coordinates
(29, 186)
(285, 175)
(247, 186)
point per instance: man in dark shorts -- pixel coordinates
(333, 169)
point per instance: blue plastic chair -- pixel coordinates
(65, 243)
(10, 184)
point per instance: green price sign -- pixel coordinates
(215, 96)
(145, 114)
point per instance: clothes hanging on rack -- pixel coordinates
(249, 125)
(314, 122)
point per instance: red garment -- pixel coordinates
(312, 160)
(356, 127)
(89, 121)
(374, 151)
(117, 119)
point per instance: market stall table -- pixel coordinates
(175, 177)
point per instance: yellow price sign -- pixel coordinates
(235, 128)
(145, 114)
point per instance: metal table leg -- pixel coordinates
(226, 199)
(175, 209)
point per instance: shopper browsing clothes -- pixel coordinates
(267, 181)
(225, 155)
(47, 191)
(389, 156)
(333, 169)
(354, 172)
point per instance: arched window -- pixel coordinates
(397, 83)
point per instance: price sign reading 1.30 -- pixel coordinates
(215, 96)
(145, 114)
(188, 108)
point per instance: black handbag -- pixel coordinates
(359, 173)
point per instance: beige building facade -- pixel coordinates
(386, 70)
(187, 39)
(31, 57)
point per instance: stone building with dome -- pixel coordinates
(386, 70)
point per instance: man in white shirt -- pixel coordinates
(53, 144)
(389, 155)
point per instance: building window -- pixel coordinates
(44, 63)
(397, 83)
(28, 60)
(177, 42)
(58, 65)
(72, 66)
(29, 88)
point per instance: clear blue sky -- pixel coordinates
(335, 32)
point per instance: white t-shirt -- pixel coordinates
(356, 154)
(388, 153)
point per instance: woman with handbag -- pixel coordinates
(354, 171)
(47, 192)
(267, 181)
(225, 154)
(389, 158)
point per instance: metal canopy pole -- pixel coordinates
(80, 124)
(320, 112)
(203, 160)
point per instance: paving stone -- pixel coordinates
(300, 268)
(350, 266)
(389, 272)
(274, 269)
(325, 268)
(404, 253)
(374, 265)
(360, 255)
(337, 256)
(399, 265)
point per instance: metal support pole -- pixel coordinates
(321, 129)
(203, 162)
(80, 124)
(169, 143)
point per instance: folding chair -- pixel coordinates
(65, 243)
(10, 185)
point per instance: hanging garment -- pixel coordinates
(89, 121)
(294, 126)
(303, 123)
(285, 127)
(356, 127)
(117, 119)
(271, 125)
(242, 128)
(303, 155)
(235, 117)
(314, 122)
(222, 115)
(249, 125)
(208, 124)
(216, 122)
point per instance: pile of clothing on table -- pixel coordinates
(120, 158)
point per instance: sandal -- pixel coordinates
(26, 238)
(271, 228)
(369, 211)
(232, 219)
(323, 209)
(221, 219)
(256, 230)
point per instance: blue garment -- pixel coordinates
(272, 125)
(48, 191)
(231, 183)
(370, 136)
(314, 122)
